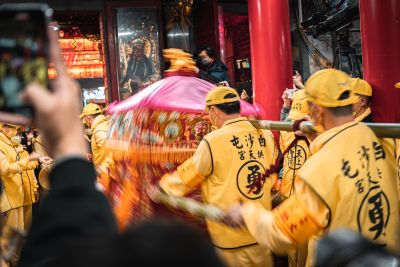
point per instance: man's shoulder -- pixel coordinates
(239, 128)
(218, 65)
(101, 128)
(215, 134)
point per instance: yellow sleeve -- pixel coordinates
(10, 169)
(269, 135)
(260, 223)
(283, 136)
(100, 137)
(189, 174)
(293, 222)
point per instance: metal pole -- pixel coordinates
(384, 130)
(300, 9)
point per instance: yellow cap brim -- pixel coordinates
(12, 125)
(334, 103)
(397, 85)
(222, 101)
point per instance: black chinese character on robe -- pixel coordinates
(236, 142)
(249, 141)
(364, 157)
(241, 154)
(346, 169)
(251, 154)
(253, 179)
(360, 187)
(376, 215)
(370, 180)
(262, 141)
(378, 150)
(260, 154)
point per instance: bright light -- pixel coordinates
(124, 33)
(178, 34)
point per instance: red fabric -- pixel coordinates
(380, 24)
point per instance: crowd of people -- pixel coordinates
(340, 176)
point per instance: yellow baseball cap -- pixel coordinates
(299, 106)
(9, 125)
(91, 109)
(361, 87)
(397, 85)
(218, 96)
(326, 86)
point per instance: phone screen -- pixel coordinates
(23, 56)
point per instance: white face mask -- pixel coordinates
(213, 120)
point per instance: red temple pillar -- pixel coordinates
(271, 53)
(380, 24)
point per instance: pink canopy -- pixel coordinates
(176, 93)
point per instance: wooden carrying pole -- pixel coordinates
(384, 130)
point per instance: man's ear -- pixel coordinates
(320, 110)
(216, 111)
(364, 101)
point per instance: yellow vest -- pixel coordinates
(397, 156)
(397, 160)
(239, 153)
(17, 177)
(292, 162)
(99, 134)
(349, 171)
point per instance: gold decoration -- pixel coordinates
(180, 60)
(180, 12)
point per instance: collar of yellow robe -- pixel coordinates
(320, 141)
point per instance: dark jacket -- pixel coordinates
(215, 72)
(75, 228)
(73, 209)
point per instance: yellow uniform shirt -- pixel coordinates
(99, 135)
(397, 156)
(225, 164)
(293, 160)
(343, 184)
(397, 160)
(17, 176)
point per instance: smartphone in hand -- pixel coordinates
(24, 55)
(290, 93)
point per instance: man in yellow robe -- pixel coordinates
(226, 164)
(346, 183)
(294, 159)
(18, 179)
(297, 156)
(93, 118)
